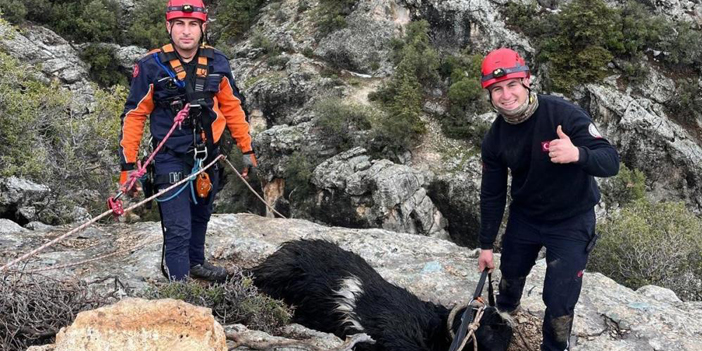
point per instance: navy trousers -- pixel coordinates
(566, 242)
(184, 223)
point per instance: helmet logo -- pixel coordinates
(498, 72)
(187, 8)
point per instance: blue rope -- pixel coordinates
(196, 168)
(179, 83)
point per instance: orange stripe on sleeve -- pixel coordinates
(230, 108)
(133, 126)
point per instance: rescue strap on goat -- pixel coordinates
(468, 320)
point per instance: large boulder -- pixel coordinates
(56, 58)
(137, 324)
(647, 140)
(364, 44)
(477, 24)
(20, 198)
(356, 192)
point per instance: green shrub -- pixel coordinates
(401, 98)
(649, 243)
(261, 41)
(235, 301)
(297, 176)
(13, 11)
(580, 52)
(339, 122)
(628, 186)
(104, 68)
(331, 15)
(148, 27)
(683, 46)
(466, 97)
(44, 142)
(234, 18)
(578, 42)
(686, 107)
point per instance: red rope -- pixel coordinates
(84, 225)
(141, 169)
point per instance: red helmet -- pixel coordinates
(502, 64)
(186, 9)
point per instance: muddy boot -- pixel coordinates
(209, 272)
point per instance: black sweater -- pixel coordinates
(542, 190)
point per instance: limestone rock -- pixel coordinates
(647, 140)
(137, 324)
(8, 226)
(18, 197)
(363, 46)
(657, 292)
(56, 57)
(608, 316)
(358, 193)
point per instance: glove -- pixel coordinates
(250, 160)
(124, 178)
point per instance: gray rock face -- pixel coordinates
(18, 197)
(648, 140)
(656, 292)
(127, 56)
(363, 46)
(8, 226)
(457, 196)
(355, 192)
(475, 23)
(608, 316)
(57, 58)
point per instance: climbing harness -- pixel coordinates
(114, 204)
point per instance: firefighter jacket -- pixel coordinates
(154, 92)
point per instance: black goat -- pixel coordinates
(337, 291)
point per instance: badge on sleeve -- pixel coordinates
(135, 72)
(593, 131)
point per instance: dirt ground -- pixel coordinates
(527, 332)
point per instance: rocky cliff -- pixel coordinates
(608, 316)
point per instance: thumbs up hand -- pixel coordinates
(562, 150)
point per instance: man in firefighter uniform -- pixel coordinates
(183, 73)
(553, 151)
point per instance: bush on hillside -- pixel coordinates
(686, 107)
(233, 18)
(340, 122)
(147, 28)
(652, 243)
(402, 97)
(626, 187)
(331, 15)
(235, 301)
(589, 34)
(104, 68)
(44, 142)
(297, 176)
(77, 20)
(466, 97)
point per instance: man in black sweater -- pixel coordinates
(553, 152)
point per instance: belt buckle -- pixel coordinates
(175, 177)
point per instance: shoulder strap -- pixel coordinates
(169, 55)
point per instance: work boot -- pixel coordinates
(209, 272)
